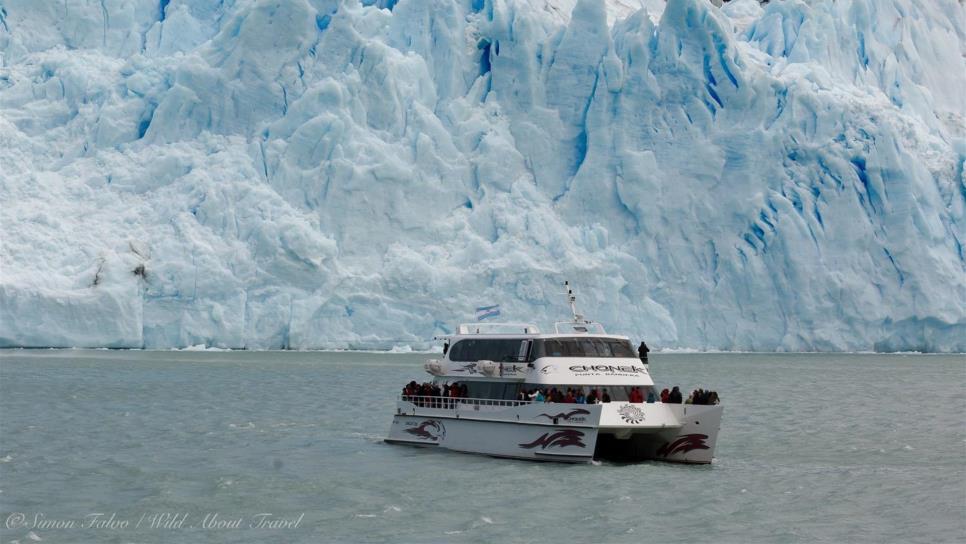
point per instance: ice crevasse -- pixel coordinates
(363, 174)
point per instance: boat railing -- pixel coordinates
(451, 403)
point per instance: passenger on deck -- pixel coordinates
(665, 395)
(592, 397)
(580, 398)
(606, 397)
(641, 352)
(675, 396)
(700, 396)
(651, 398)
(570, 399)
(635, 395)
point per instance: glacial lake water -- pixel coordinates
(142, 446)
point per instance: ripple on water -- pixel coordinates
(252, 432)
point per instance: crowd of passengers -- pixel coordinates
(597, 396)
(429, 393)
(698, 396)
(572, 396)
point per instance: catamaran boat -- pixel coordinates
(492, 367)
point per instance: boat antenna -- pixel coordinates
(572, 299)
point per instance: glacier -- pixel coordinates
(362, 174)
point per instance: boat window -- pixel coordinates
(548, 348)
(582, 347)
(492, 390)
(608, 349)
(588, 347)
(489, 349)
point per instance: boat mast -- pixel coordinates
(572, 299)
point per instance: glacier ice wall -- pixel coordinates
(356, 174)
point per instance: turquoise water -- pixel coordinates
(813, 448)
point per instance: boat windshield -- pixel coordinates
(582, 347)
(489, 349)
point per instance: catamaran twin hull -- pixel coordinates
(616, 431)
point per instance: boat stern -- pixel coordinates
(682, 433)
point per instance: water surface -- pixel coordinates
(813, 448)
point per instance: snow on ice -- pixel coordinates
(363, 174)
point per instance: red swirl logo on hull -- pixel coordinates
(428, 430)
(559, 439)
(684, 444)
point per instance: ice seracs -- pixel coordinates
(777, 177)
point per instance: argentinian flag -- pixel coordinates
(486, 312)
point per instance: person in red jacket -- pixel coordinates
(635, 395)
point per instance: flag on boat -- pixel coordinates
(486, 312)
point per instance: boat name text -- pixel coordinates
(608, 368)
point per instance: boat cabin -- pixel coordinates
(499, 361)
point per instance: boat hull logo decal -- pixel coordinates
(511, 369)
(684, 444)
(559, 439)
(631, 414)
(429, 430)
(568, 416)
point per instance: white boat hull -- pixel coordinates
(617, 431)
